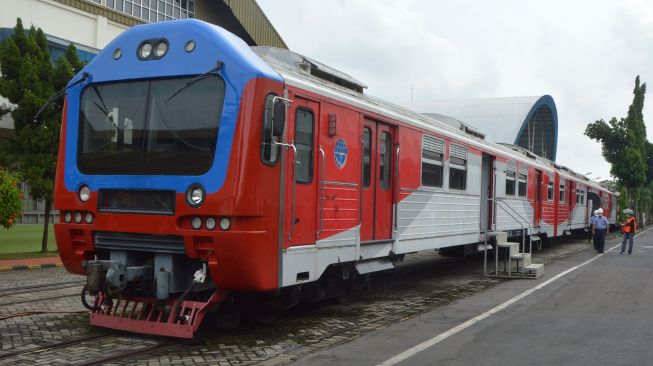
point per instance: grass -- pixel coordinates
(24, 241)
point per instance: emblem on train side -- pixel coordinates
(340, 153)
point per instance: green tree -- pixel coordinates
(10, 202)
(28, 79)
(625, 147)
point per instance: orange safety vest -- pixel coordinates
(629, 225)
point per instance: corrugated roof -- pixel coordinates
(257, 24)
(503, 120)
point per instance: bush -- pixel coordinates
(10, 199)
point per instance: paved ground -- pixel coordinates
(420, 285)
(598, 314)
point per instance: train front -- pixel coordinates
(157, 195)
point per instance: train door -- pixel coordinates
(487, 191)
(539, 192)
(377, 181)
(304, 114)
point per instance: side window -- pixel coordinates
(432, 161)
(561, 197)
(511, 169)
(578, 196)
(367, 156)
(458, 167)
(522, 189)
(269, 151)
(304, 142)
(385, 150)
(582, 197)
(549, 191)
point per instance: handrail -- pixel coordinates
(321, 194)
(396, 213)
(501, 203)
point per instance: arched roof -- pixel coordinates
(529, 122)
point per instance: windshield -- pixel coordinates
(135, 128)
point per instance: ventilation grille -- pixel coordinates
(523, 170)
(511, 166)
(430, 143)
(459, 152)
(140, 242)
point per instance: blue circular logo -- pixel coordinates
(340, 153)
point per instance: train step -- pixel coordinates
(522, 258)
(513, 248)
(534, 269)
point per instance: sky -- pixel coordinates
(585, 54)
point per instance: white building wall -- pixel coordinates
(61, 21)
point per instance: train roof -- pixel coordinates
(303, 72)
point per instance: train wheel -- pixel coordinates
(265, 313)
(228, 315)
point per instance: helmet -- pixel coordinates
(596, 212)
(600, 211)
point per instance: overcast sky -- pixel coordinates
(585, 54)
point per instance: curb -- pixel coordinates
(30, 266)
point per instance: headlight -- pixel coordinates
(225, 224)
(195, 195)
(88, 218)
(210, 223)
(196, 223)
(160, 49)
(78, 217)
(117, 53)
(190, 46)
(145, 51)
(68, 217)
(84, 193)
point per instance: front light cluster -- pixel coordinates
(195, 195)
(210, 223)
(152, 49)
(78, 216)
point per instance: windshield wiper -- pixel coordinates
(59, 94)
(192, 81)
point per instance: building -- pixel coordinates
(528, 122)
(91, 24)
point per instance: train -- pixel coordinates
(199, 175)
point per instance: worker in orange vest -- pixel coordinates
(629, 227)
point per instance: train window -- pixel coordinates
(578, 196)
(304, 143)
(582, 197)
(384, 159)
(522, 189)
(549, 192)
(367, 156)
(561, 195)
(269, 151)
(458, 167)
(432, 161)
(511, 171)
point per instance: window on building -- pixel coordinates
(511, 172)
(561, 194)
(458, 167)
(385, 150)
(367, 156)
(269, 151)
(304, 142)
(152, 10)
(432, 161)
(549, 192)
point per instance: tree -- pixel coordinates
(10, 201)
(28, 79)
(625, 147)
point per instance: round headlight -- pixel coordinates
(145, 51)
(196, 223)
(161, 49)
(195, 195)
(210, 223)
(190, 46)
(78, 217)
(88, 218)
(84, 193)
(68, 217)
(117, 53)
(225, 224)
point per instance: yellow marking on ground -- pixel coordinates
(33, 266)
(6, 269)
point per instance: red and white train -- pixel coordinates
(309, 183)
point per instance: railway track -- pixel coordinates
(18, 290)
(41, 349)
